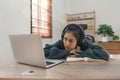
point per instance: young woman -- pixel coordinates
(73, 37)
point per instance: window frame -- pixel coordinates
(38, 20)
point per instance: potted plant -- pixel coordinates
(105, 30)
(115, 37)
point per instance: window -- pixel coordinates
(41, 18)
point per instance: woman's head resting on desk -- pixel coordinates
(72, 36)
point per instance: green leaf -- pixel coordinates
(105, 30)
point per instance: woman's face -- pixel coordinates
(69, 41)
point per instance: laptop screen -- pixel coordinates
(27, 49)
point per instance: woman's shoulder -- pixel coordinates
(87, 42)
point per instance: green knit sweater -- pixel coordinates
(90, 50)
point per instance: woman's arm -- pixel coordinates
(56, 51)
(94, 51)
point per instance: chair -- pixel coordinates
(90, 37)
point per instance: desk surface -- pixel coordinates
(72, 71)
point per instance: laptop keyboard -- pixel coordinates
(48, 63)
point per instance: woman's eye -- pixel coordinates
(70, 41)
(65, 38)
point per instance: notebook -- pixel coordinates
(70, 59)
(27, 49)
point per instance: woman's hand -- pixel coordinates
(74, 52)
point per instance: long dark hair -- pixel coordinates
(77, 31)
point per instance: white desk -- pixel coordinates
(71, 71)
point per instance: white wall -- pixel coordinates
(14, 19)
(107, 11)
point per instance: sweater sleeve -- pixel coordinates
(56, 51)
(94, 51)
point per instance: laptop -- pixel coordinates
(27, 49)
